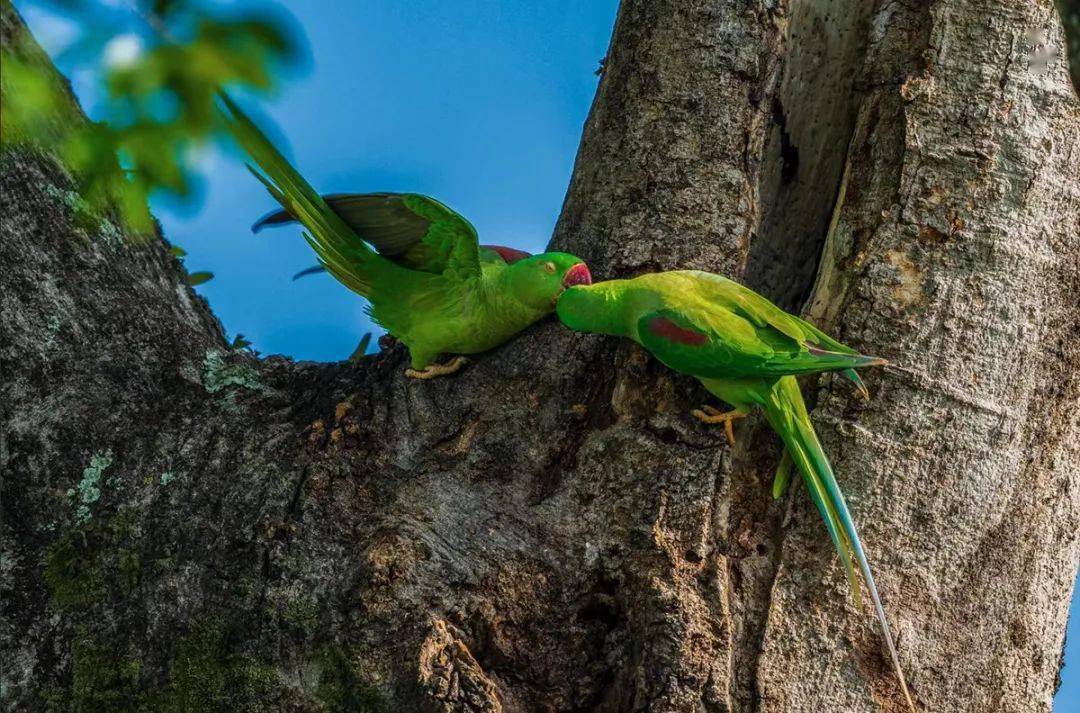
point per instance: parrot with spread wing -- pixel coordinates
(746, 351)
(428, 281)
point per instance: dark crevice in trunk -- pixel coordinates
(812, 121)
(813, 117)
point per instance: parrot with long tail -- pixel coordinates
(746, 351)
(427, 279)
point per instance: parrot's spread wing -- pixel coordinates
(720, 342)
(411, 229)
(487, 253)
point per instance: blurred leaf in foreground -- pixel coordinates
(160, 63)
(198, 278)
(361, 348)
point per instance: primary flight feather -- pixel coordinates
(746, 351)
(428, 281)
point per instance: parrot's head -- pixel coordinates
(537, 281)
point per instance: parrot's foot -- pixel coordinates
(707, 414)
(437, 369)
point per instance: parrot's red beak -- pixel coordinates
(577, 275)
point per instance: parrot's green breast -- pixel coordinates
(438, 316)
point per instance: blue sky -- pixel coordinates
(479, 104)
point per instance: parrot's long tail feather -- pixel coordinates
(786, 412)
(339, 249)
(783, 475)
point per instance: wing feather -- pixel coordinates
(720, 343)
(413, 230)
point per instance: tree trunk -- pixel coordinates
(187, 527)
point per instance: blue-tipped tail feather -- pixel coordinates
(787, 414)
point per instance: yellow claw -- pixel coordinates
(708, 414)
(436, 370)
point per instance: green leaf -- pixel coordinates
(198, 278)
(239, 342)
(361, 348)
(160, 105)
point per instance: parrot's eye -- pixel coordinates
(549, 267)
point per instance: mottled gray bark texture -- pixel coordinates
(190, 528)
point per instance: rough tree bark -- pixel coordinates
(190, 528)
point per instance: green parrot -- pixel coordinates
(746, 351)
(428, 282)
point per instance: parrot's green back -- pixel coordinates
(746, 351)
(745, 333)
(427, 280)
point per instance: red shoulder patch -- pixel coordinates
(664, 327)
(509, 255)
